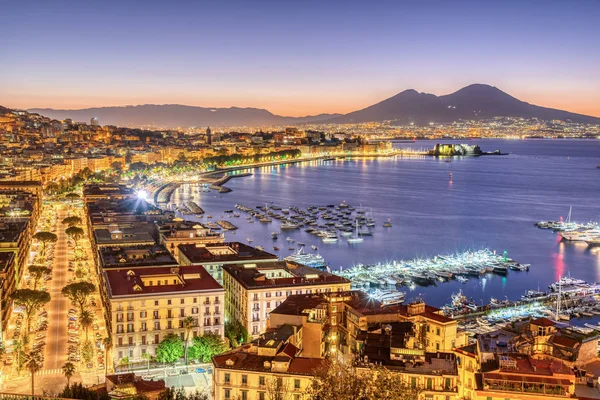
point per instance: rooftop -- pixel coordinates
(223, 252)
(10, 231)
(159, 280)
(6, 259)
(121, 235)
(280, 274)
(136, 256)
(246, 358)
(107, 190)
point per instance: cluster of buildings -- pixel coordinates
(19, 211)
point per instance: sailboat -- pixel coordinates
(355, 238)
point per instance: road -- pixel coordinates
(56, 338)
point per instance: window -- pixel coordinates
(427, 328)
(156, 339)
(413, 382)
(195, 299)
(447, 383)
(143, 329)
(130, 340)
(169, 302)
(181, 301)
(120, 341)
(169, 314)
(261, 396)
(155, 314)
(227, 394)
(129, 328)
(296, 396)
(206, 310)
(182, 312)
(429, 383)
(296, 383)
(255, 330)
(157, 326)
(143, 314)
(155, 302)
(245, 380)
(143, 342)
(437, 345)
(268, 304)
(255, 296)
(261, 381)
(119, 328)
(437, 331)
(244, 395)
(169, 324)
(227, 377)
(195, 310)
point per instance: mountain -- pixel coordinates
(175, 115)
(472, 102)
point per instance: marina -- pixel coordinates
(429, 215)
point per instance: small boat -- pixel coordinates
(275, 248)
(461, 279)
(355, 238)
(315, 248)
(249, 240)
(291, 248)
(387, 224)
(209, 216)
(274, 235)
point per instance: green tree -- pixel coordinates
(170, 349)
(31, 301)
(68, 370)
(236, 333)
(72, 196)
(75, 233)
(124, 362)
(37, 272)
(44, 238)
(117, 166)
(73, 220)
(206, 346)
(86, 319)
(79, 292)
(33, 364)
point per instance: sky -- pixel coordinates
(295, 57)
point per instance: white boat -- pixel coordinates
(355, 238)
(314, 247)
(249, 240)
(288, 225)
(330, 239)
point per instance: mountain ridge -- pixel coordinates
(476, 101)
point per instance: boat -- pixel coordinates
(275, 248)
(311, 260)
(461, 279)
(314, 247)
(289, 225)
(274, 235)
(249, 240)
(355, 238)
(329, 239)
(387, 224)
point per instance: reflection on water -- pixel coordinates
(491, 202)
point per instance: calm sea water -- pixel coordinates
(492, 202)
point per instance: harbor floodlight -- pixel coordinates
(142, 194)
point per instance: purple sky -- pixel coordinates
(295, 58)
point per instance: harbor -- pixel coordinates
(429, 216)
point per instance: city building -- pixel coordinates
(253, 290)
(145, 304)
(213, 256)
(177, 232)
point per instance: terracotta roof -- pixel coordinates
(125, 281)
(243, 253)
(526, 378)
(564, 341)
(542, 322)
(301, 275)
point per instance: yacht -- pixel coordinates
(274, 235)
(289, 225)
(312, 260)
(249, 240)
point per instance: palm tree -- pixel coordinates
(86, 319)
(106, 342)
(189, 323)
(68, 370)
(32, 363)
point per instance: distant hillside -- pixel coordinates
(174, 115)
(472, 102)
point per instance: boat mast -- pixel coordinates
(569, 216)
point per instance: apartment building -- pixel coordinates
(145, 304)
(253, 290)
(213, 256)
(177, 232)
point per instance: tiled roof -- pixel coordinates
(125, 282)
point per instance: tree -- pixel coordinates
(107, 342)
(276, 388)
(45, 238)
(72, 221)
(78, 391)
(170, 349)
(68, 370)
(171, 393)
(117, 166)
(147, 357)
(124, 362)
(72, 196)
(86, 319)
(189, 323)
(236, 333)
(37, 272)
(78, 292)
(87, 351)
(31, 301)
(206, 346)
(75, 233)
(32, 363)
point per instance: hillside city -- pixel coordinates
(103, 287)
